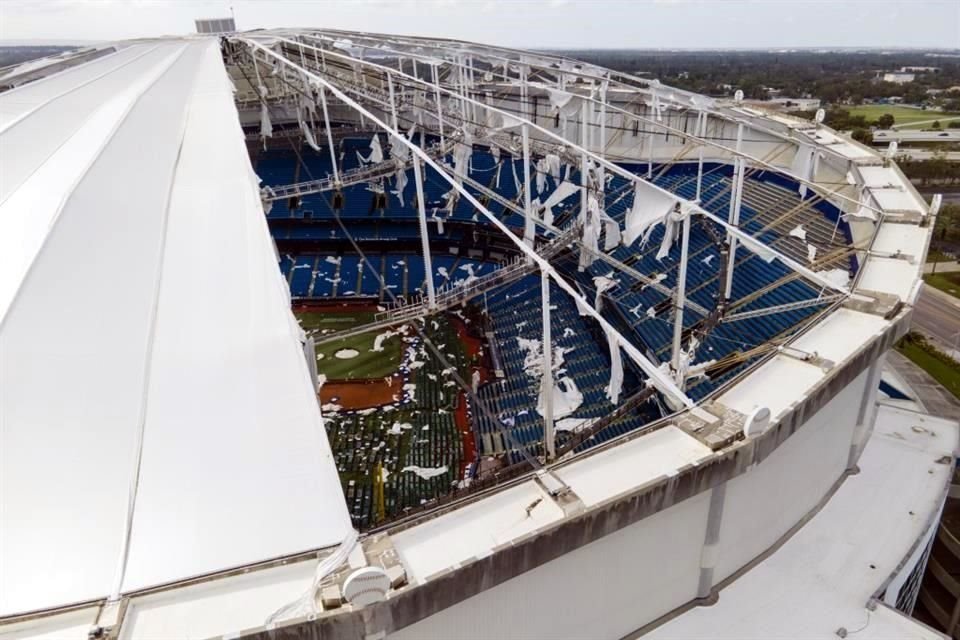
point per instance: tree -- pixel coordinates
(864, 136)
(885, 121)
(936, 125)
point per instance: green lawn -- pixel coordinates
(947, 282)
(935, 255)
(903, 115)
(942, 368)
(367, 363)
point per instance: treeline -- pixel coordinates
(840, 119)
(948, 224)
(937, 170)
(16, 55)
(833, 77)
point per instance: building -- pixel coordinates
(898, 77)
(574, 352)
(789, 104)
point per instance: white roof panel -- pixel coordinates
(824, 575)
(755, 389)
(474, 530)
(895, 200)
(889, 275)
(126, 321)
(908, 239)
(625, 467)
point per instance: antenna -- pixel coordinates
(738, 96)
(820, 115)
(892, 149)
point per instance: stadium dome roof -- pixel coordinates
(158, 421)
(143, 439)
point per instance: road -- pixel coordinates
(922, 122)
(938, 314)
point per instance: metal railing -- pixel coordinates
(357, 175)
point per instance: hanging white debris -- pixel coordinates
(563, 103)
(650, 207)
(761, 250)
(567, 398)
(863, 210)
(811, 253)
(376, 152)
(611, 232)
(400, 182)
(540, 170)
(591, 234)
(657, 279)
(670, 235)
(563, 191)
(450, 199)
(602, 283)
(837, 277)
(461, 157)
(553, 166)
(798, 232)
(570, 424)
(616, 368)
(803, 166)
(266, 125)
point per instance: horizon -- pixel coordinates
(525, 24)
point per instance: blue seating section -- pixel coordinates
(404, 274)
(515, 312)
(515, 309)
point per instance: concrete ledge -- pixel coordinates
(416, 602)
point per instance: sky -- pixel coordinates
(689, 24)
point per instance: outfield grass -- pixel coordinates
(946, 282)
(903, 115)
(941, 367)
(367, 363)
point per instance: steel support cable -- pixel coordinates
(691, 206)
(477, 402)
(703, 140)
(658, 378)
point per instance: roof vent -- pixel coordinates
(366, 586)
(757, 422)
(215, 25)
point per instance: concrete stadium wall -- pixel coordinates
(618, 584)
(789, 484)
(603, 590)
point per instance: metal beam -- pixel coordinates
(546, 391)
(662, 382)
(680, 296)
(789, 306)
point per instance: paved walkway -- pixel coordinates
(942, 267)
(936, 400)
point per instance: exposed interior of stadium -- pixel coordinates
(440, 213)
(356, 335)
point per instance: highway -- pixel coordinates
(938, 314)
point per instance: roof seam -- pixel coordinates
(5, 313)
(148, 360)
